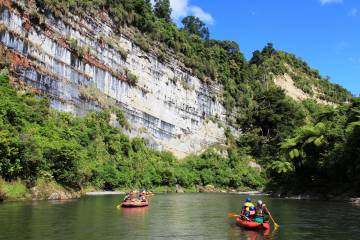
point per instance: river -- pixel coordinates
(174, 216)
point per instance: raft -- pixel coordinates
(135, 204)
(251, 224)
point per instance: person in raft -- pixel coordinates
(260, 211)
(127, 197)
(142, 197)
(248, 210)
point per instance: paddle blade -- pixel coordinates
(276, 225)
(232, 215)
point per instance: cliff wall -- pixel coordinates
(82, 65)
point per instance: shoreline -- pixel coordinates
(52, 191)
(251, 193)
(78, 195)
(102, 193)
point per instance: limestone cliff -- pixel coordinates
(78, 61)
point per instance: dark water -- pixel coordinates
(173, 216)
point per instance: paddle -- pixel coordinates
(233, 215)
(272, 219)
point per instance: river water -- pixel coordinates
(174, 216)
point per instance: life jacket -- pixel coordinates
(252, 213)
(259, 212)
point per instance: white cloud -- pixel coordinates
(323, 2)
(179, 8)
(353, 12)
(204, 16)
(182, 8)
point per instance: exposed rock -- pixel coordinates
(210, 188)
(355, 200)
(287, 84)
(200, 188)
(254, 165)
(173, 112)
(179, 189)
(63, 195)
(51, 191)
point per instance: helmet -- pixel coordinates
(252, 208)
(248, 200)
(259, 202)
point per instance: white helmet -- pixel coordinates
(259, 202)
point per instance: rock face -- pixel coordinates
(179, 189)
(77, 61)
(286, 83)
(48, 192)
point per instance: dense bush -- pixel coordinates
(39, 143)
(91, 151)
(324, 153)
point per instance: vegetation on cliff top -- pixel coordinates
(211, 60)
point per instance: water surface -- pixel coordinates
(173, 216)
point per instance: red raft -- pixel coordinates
(134, 204)
(251, 224)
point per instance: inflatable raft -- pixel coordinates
(134, 204)
(251, 224)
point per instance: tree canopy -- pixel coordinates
(162, 9)
(196, 27)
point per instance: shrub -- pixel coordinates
(131, 78)
(13, 190)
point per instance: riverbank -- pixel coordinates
(320, 194)
(42, 190)
(48, 190)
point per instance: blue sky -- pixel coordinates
(325, 33)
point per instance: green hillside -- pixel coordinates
(301, 145)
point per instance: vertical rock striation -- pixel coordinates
(75, 59)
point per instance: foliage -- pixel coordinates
(12, 190)
(325, 152)
(304, 77)
(131, 78)
(38, 144)
(210, 60)
(195, 27)
(162, 9)
(92, 93)
(317, 141)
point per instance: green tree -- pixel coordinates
(196, 27)
(162, 9)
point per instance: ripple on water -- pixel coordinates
(174, 216)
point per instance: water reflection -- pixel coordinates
(247, 234)
(134, 211)
(174, 216)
